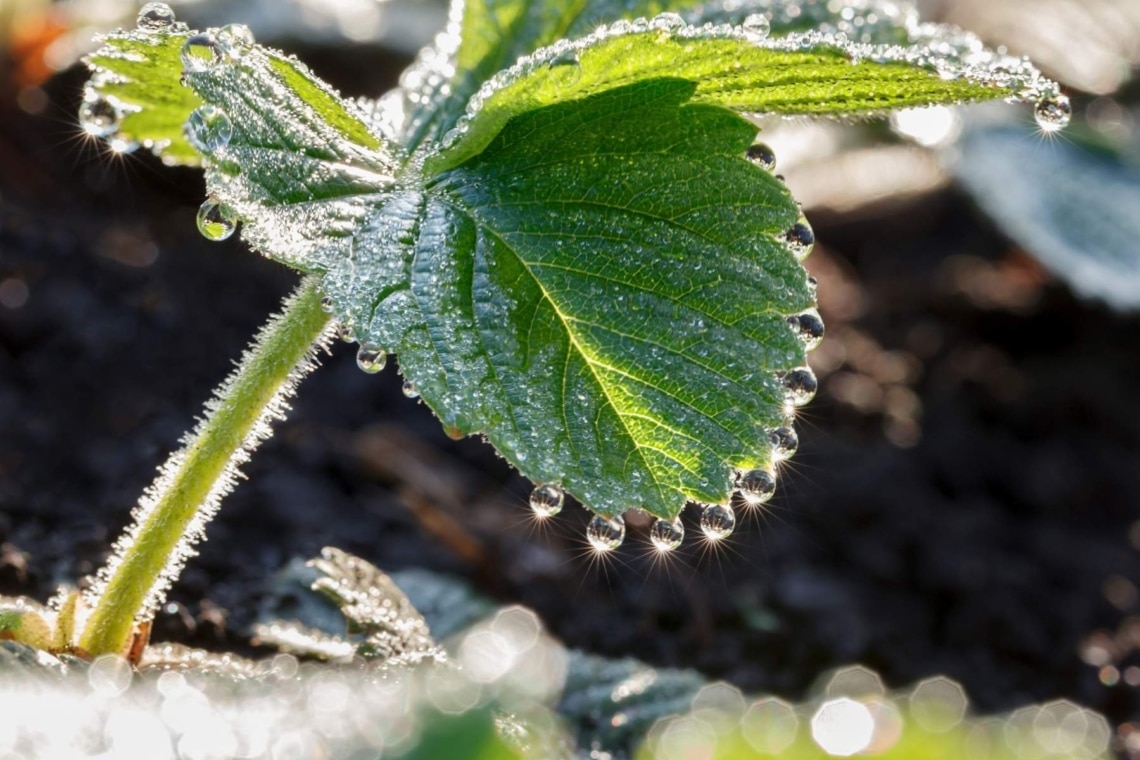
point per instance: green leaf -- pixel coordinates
(486, 37)
(25, 626)
(598, 310)
(587, 270)
(137, 74)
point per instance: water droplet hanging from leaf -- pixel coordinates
(546, 500)
(718, 521)
(756, 486)
(216, 221)
(666, 535)
(155, 17)
(605, 534)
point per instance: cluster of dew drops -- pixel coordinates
(209, 129)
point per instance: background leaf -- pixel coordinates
(1071, 203)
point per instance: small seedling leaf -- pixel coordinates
(375, 609)
(137, 75)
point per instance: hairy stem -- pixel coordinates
(172, 514)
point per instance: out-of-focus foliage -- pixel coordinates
(1091, 45)
(1073, 203)
(506, 690)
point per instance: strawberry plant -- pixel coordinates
(561, 222)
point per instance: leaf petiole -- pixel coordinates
(172, 514)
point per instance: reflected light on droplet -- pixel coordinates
(295, 745)
(13, 293)
(486, 656)
(720, 706)
(519, 626)
(109, 676)
(888, 726)
(212, 740)
(856, 681)
(843, 727)
(929, 127)
(1060, 727)
(9, 729)
(686, 738)
(171, 683)
(185, 709)
(135, 733)
(450, 691)
(938, 704)
(770, 726)
(634, 685)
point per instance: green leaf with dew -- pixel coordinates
(134, 94)
(562, 271)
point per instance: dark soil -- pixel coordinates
(961, 503)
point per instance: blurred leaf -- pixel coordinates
(1070, 203)
(470, 736)
(376, 609)
(448, 604)
(1091, 45)
(25, 626)
(611, 704)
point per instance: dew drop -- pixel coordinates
(813, 286)
(800, 385)
(235, 39)
(666, 535)
(410, 389)
(346, 332)
(122, 145)
(718, 521)
(756, 27)
(800, 239)
(763, 156)
(565, 58)
(371, 359)
(547, 500)
(756, 486)
(605, 533)
(808, 327)
(667, 22)
(327, 305)
(1053, 114)
(201, 53)
(784, 442)
(155, 17)
(215, 220)
(99, 117)
(209, 129)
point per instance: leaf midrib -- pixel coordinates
(594, 365)
(572, 338)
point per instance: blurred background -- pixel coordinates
(965, 502)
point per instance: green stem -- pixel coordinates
(174, 510)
